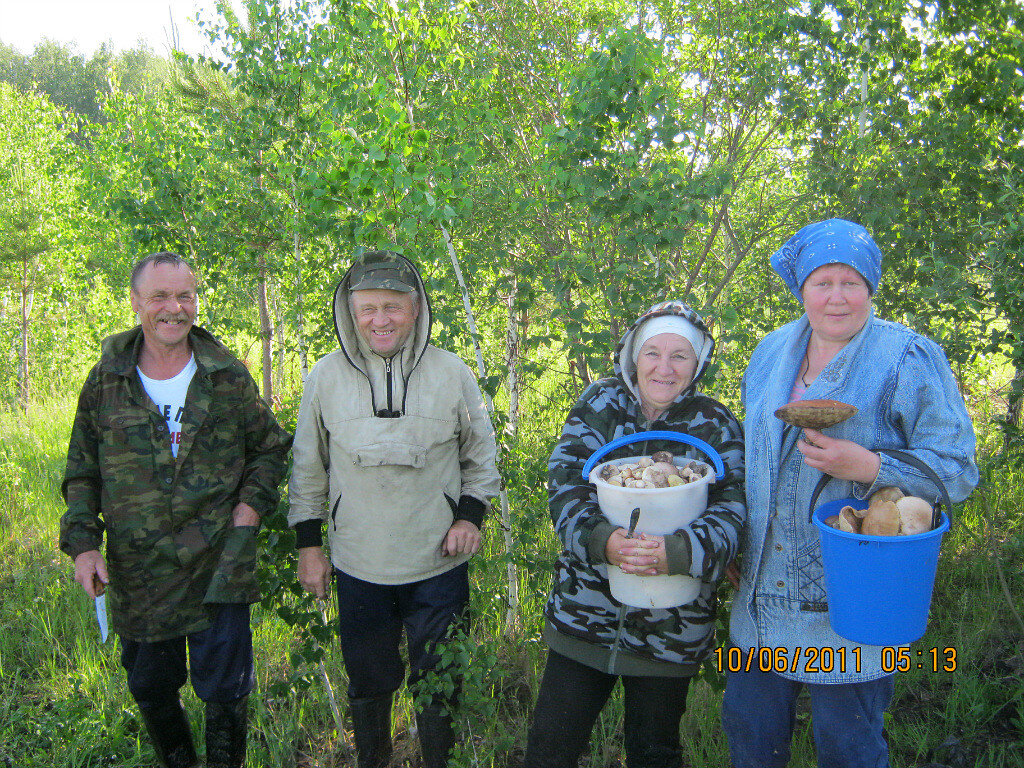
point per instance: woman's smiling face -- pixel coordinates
(664, 368)
(837, 302)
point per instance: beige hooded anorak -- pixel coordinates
(388, 486)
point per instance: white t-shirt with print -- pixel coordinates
(169, 396)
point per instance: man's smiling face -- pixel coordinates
(385, 318)
(164, 298)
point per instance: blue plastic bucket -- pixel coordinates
(879, 588)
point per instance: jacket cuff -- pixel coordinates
(472, 510)
(258, 500)
(74, 548)
(597, 542)
(75, 541)
(309, 533)
(678, 555)
(888, 474)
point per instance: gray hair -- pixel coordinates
(163, 257)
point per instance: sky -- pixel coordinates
(89, 23)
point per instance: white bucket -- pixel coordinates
(662, 511)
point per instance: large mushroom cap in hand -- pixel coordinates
(815, 414)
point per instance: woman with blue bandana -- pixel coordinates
(907, 398)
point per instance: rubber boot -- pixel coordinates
(371, 730)
(226, 726)
(437, 736)
(171, 734)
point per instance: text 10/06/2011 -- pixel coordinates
(825, 660)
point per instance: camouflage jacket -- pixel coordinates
(171, 543)
(581, 607)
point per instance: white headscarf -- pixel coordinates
(680, 327)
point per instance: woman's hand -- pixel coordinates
(641, 555)
(842, 459)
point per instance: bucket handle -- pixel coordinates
(906, 458)
(638, 437)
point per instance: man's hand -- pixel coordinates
(243, 514)
(91, 573)
(314, 571)
(463, 538)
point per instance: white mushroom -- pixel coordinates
(882, 519)
(666, 468)
(654, 478)
(915, 515)
(848, 521)
(888, 493)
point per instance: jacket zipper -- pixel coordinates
(387, 374)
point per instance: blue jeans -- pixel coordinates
(759, 710)
(219, 659)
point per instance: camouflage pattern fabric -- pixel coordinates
(382, 269)
(171, 543)
(581, 605)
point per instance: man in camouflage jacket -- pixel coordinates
(180, 525)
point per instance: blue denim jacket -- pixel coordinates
(907, 398)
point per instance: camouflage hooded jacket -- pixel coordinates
(171, 543)
(583, 617)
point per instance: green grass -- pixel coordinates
(63, 700)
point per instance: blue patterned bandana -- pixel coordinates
(833, 241)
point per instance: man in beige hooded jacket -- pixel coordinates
(395, 451)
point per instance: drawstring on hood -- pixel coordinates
(387, 377)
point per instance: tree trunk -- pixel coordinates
(27, 297)
(862, 120)
(579, 370)
(278, 337)
(1013, 405)
(300, 320)
(512, 611)
(266, 334)
(512, 362)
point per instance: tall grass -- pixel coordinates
(63, 699)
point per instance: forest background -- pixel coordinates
(554, 168)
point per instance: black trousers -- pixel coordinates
(219, 659)
(571, 698)
(372, 617)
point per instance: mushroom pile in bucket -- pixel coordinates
(890, 513)
(655, 471)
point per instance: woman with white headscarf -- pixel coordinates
(907, 399)
(594, 640)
